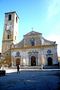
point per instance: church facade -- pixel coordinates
(32, 50)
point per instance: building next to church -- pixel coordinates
(32, 50)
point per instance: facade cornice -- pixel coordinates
(34, 47)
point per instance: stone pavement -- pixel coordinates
(31, 80)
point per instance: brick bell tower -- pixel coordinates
(10, 30)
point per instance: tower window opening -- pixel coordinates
(9, 18)
(16, 19)
(8, 36)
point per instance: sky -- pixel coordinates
(41, 15)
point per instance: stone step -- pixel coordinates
(36, 67)
(28, 67)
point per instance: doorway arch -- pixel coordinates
(49, 60)
(18, 61)
(33, 61)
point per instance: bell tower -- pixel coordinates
(10, 30)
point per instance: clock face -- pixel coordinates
(9, 27)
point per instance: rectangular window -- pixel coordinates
(9, 18)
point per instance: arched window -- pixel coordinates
(49, 51)
(18, 54)
(8, 36)
(32, 42)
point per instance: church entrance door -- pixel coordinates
(33, 61)
(17, 61)
(49, 61)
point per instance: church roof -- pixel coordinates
(20, 44)
(32, 33)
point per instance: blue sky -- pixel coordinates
(41, 15)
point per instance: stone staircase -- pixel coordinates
(51, 67)
(27, 67)
(37, 67)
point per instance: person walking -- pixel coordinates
(17, 68)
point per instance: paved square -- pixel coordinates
(31, 80)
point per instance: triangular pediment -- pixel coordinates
(32, 33)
